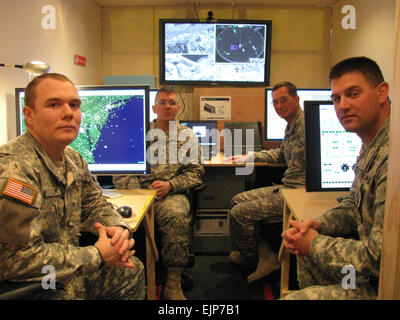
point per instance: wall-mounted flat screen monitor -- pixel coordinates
(221, 52)
(331, 151)
(112, 136)
(275, 125)
(245, 135)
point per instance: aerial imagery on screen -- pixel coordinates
(214, 52)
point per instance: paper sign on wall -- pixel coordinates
(215, 108)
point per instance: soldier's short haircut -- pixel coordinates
(168, 90)
(292, 89)
(30, 90)
(369, 68)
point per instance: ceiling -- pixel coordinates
(213, 2)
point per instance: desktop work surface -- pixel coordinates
(298, 204)
(141, 202)
(219, 161)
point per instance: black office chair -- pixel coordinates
(187, 281)
(193, 195)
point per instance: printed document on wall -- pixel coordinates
(215, 108)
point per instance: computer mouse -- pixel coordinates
(125, 211)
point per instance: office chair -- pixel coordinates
(187, 281)
(193, 195)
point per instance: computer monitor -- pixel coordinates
(217, 52)
(331, 151)
(153, 93)
(275, 125)
(239, 139)
(206, 131)
(112, 136)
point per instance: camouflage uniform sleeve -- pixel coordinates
(191, 170)
(340, 220)
(188, 176)
(126, 182)
(23, 252)
(364, 254)
(270, 156)
(95, 207)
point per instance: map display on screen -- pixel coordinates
(112, 132)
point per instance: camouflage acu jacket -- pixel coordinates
(170, 161)
(361, 213)
(42, 212)
(291, 152)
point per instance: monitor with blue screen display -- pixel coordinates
(112, 135)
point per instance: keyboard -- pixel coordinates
(110, 193)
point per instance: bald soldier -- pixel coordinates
(47, 197)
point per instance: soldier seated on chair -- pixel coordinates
(47, 197)
(171, 177)
(327, 243)
(251, 209)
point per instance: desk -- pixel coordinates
(218, 161)
(223, 182)
(142, 203)
(301, 205)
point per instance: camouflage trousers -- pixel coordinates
(251, 209)
(316, 283)
(172, 218)
(108, 283)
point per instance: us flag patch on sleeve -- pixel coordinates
(19, 190)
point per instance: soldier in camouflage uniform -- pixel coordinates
(265, 205)
(47, 196)
(349, 234)
(171, 176)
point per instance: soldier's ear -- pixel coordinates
(28, 114)
(383, 91)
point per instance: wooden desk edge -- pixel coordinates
(135, 221)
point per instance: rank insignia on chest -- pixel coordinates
(19, 190)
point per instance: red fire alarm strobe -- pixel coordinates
(79, 60)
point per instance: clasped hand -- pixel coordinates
(115, 246)
(297, 239)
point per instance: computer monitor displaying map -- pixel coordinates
(112, 136)
(220, 52)
(275, 125)
(331, 151)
